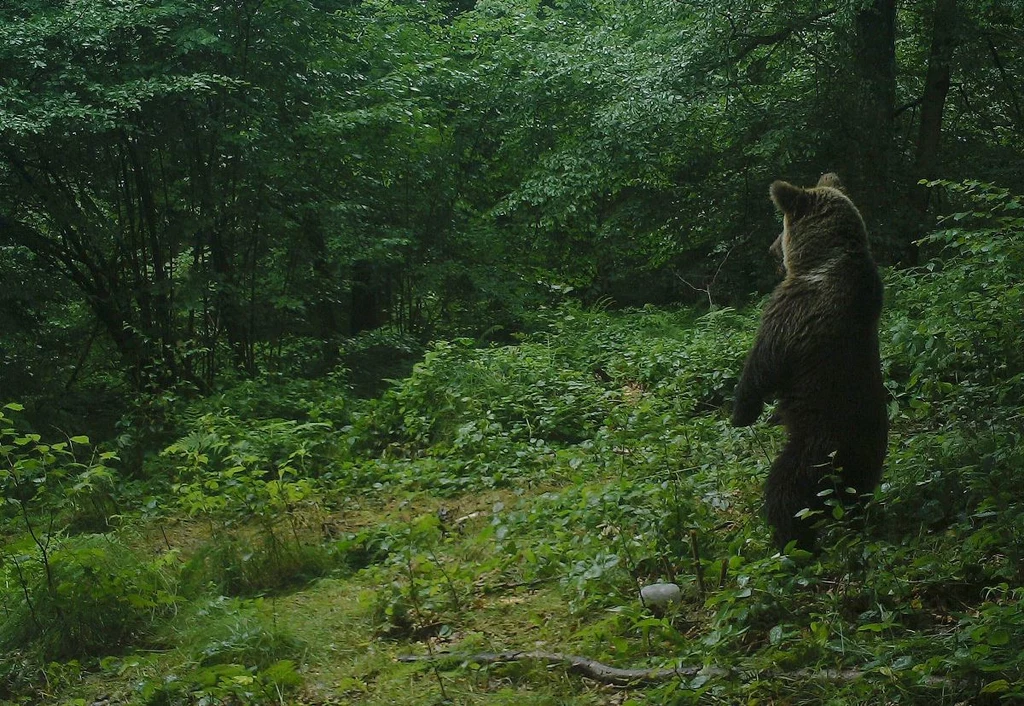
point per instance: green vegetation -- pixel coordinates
(339, 331)
(191, 196)
(515, 497)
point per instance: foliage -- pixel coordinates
(67, 596)
(286, 451)
(354, 300)
(87, 595)
(229, 630)
(271, 397)
(497, 416)
(250, 190)
(39, 479)
(260, 473)
(225, 683)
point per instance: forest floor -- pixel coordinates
(333, 625)
(293, 544)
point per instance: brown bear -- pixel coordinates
(775, 249)
(816, 351)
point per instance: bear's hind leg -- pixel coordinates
(860, 468)
(793, 484)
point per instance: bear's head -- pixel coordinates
(820, 226)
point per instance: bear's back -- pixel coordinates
(833, 374)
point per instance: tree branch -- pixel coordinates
(581, 665)
(1008, 81)
(907, 106)
(755, 41)
(631, 677)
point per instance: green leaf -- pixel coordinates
(999, 637)
(996, 687)
(873, 627)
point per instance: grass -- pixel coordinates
(338, 616)
(331, 627)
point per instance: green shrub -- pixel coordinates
(67, 595)
(223, 684)
(470, 417)
(48, 487)
(84, 596)
(279, 397)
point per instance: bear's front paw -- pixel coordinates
(746, 413)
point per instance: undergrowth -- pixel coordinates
(294, 540)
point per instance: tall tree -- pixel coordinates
(874, 63)
(933, 99)
(148, 151)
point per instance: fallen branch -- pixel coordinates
(631, 677)
(581, 665)
(504, 587)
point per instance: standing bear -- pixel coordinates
(817, 352)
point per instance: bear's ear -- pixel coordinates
(788, 198)
(831, 179)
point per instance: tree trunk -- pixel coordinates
(230, 315)
(874, 61)
(325, 305)
(933, 100)
(367, 299)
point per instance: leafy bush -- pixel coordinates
(80, 596)
(219, 443)
(253, 471)
(67, 595)
(276, 397)
(956, 370)
(459, 394)
(949, 330)
(472, 417)
(254, 479)
(224, 683)
(47, 486)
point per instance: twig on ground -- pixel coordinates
(502, 587)
(581, 665)
(655, 675)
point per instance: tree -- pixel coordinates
(147, 155)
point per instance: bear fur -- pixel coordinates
(775, 249)
(816, 351)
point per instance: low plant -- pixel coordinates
(243, 564)
(88, 595)
(235, 653)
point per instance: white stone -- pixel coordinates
(660, 596)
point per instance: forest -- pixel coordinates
(382, 351)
